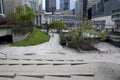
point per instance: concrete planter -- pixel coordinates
(17, 37)
(4, 32)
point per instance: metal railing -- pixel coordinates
(4, 54)
(109, 51)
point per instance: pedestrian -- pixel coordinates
(52, 34)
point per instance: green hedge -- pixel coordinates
(7, 26)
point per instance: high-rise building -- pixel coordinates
(24, 2)
(50, 5)
(85, 8)
(79, 9)
(34, 5)
(92, 2)
(1, 6)
(8, 6)
(64, 5)
(106, 15)
(38, 10)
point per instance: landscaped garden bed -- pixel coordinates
(82, 38)
(34, 38)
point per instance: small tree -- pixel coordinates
(11, 18)
(24, 13)
(85, 33)
(57, 25)
(24, 16)
(82, 37)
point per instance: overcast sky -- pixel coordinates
(72, 4)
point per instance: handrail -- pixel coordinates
(4, 54)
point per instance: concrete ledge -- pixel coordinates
(7, 74)
(84, 74)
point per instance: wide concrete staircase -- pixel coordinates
(39, 67)
(45, 67)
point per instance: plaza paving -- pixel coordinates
(50, 61)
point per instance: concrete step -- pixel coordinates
(43, 59)
(46, 57)
(55, 78)
(26, 78)
(46, 72)
(49, 69)
(68, 78)
(44, 69)
(31, 74)
(81, 68)
(82, 78)
(6, 78)
(32, 62)
(39, 68)
(4, 68)
(7, 74)
(87, 74)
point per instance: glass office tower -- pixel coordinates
(64, 5)
(1, 6)
(50, 5)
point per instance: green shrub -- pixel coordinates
(72, 45)
(62, 39)
(7, 26)
(23, 27)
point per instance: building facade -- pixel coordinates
(66, 16)
(8, 6)
(105, 15)
(116, 16)
(1, 7)
(34, 4)
(79, 9)
(90, 3)
(85, 8)
(64, 5)
(50, 5)
(38, 12)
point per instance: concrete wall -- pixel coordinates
(4, 32)
(17, 38)
(109, 24)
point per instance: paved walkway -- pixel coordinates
(55, 50)
(50, 61)
(103, 46)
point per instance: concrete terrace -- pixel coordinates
(50, 61)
